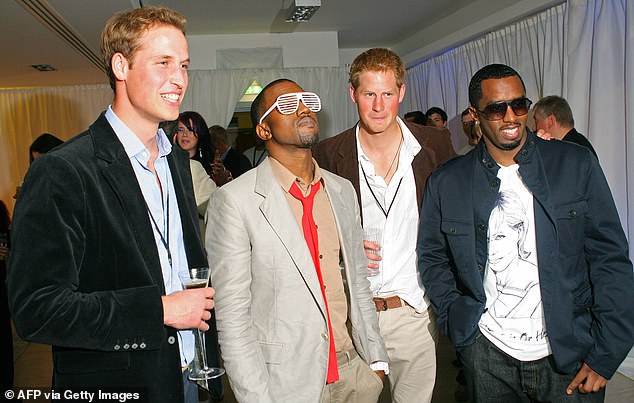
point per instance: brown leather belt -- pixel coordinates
(383, 304)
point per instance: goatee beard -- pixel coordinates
(309, 141)
(511, 146)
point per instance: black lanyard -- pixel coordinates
(165, 240)
(374, 195)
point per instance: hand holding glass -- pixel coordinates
(375, 236)
(198, 277)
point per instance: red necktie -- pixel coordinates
(310, 235)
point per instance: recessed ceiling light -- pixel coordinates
(43, 67)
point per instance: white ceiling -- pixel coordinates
(26, 40)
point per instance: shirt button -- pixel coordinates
(452, 230)
(171, 340)
(572, 214)
(134, 346)
(142, 345)
(126, 346)
(524, 152)
(321, 256)
(480, 268)
(482, 227)
(117, 347)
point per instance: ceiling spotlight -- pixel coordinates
(302, 10)
(43, 67)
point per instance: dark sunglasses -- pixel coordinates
(497, 111)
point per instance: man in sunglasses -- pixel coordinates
(528, 269)
(388, 162)
(281, 238)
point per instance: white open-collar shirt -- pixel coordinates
(398, 273)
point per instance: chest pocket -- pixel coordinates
(458, 235)
(570, 226)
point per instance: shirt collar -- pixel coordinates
(409, 141)
(286, 178)
(133, 147)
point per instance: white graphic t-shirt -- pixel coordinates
(514, 319)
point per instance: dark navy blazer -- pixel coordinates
(586, 278)
(85, 275)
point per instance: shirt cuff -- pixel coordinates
(380, 366)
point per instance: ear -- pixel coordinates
(550, 122)
(474, 115)
(120, 66)
(263, 132)
(353, 97)
(401, 94)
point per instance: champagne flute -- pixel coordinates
(198, 277)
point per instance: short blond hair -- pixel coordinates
(377, 59)
(122, 32)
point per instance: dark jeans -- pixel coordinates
(494, 376)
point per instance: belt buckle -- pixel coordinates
(385, 307)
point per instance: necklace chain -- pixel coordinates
(396, 154)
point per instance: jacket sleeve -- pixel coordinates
(610, 276)
(203, 186)
(376, 350)
(49, 254)
(229, 251)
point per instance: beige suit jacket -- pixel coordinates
(272, 325)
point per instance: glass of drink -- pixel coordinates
(375, 236)
(198, 277)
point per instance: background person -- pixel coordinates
(226, 157)
(417, 117)
(554, 116)
(436, 117)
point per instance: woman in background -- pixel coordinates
(193, 137)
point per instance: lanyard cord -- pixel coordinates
(374, 195)
(165, 240)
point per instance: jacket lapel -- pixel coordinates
(347, 164)
(280, 217)
(117, 170)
